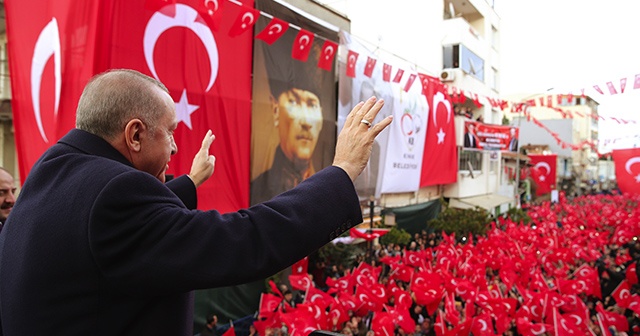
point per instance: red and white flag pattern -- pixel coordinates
(49, 71)
(545, 177)
(352, 59)
(302, 45)
(329, 50)
(440, 158)
(627, 165)
(273, 31)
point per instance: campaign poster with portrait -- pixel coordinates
(490, 137)
(293, 130)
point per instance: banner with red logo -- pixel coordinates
(208, 73)
(627, 162)
(397, 152)
(293, 113)
(490, 137)
(544, 167)
(51, 57)
(440, 159)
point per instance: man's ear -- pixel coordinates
(132, 132)
(275, 109)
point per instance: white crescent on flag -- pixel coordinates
(303, 41)
(47, 46)
(328, 51)
(544, 165)
(276, 28)
(631, 162)
(439, 98)
(186, 17)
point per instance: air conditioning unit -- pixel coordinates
(447, 75)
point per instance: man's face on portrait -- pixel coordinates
(472, 129)
(298, 116)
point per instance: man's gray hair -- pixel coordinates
(113, 98)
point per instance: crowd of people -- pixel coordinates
(571, 271)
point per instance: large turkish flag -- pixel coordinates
(440, 159)
(207, 73)
(627, 169)
(546, 166)
(51, 57)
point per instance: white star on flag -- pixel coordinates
(542, 178)
(184, 109)
(441, 135)
(638, 178)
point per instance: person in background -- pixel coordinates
(7, 195)
(209, 328)
(98, 241)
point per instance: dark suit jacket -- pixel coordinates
(96, 247)
(513, 145)
(470, 140)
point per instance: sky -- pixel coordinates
(558, 46)
(567, 45)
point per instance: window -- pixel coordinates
(469, 159)
(493, 79)
(494, 38)
(471, 63)
(451, 56)
(458, 56)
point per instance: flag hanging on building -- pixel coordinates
(440, 159)
(545, 177)
(49, 68)
(627, 163)
(207, 72)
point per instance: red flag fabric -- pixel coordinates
(382, 324)
(623, 84)
(213, 11)
(636, 82)
(608, 318)
(352, 59)
(300, 281)
(440, 158)
(230, 332)
(273, 31)
(622, 294)
(632, 274)
(386, 72)
(143, 40)
(597, 88)
(627, 163)
(300, 267)
(410, 80)
(44, 97)
(367, 235)
(318, 297)
(274, 288)
(302, 45)
(338, 314)
(546, 165)
(246, 18)
(612, 88)
(268, 304)
(565, 326)
(371, 64)
(482, 325)
(329, 49)
(398, 77)
(634, 303)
